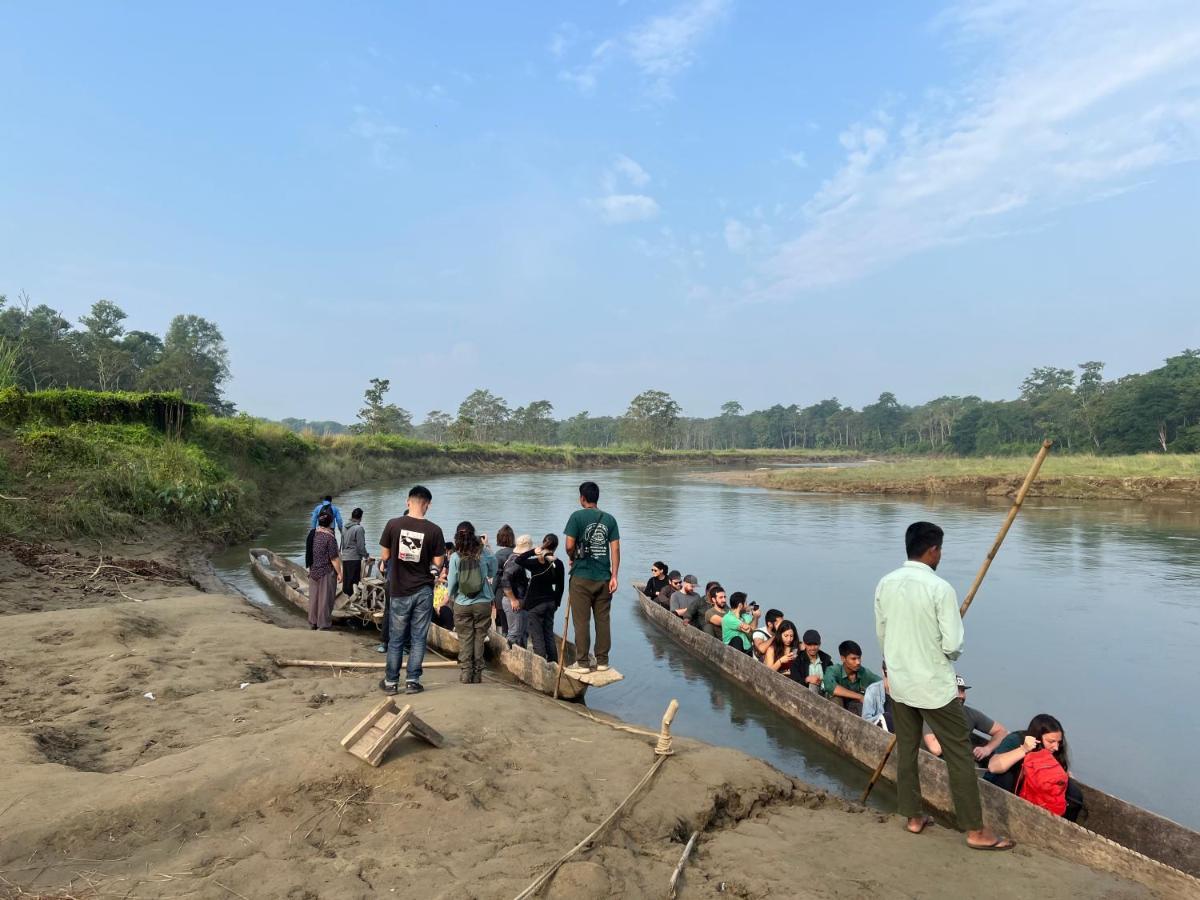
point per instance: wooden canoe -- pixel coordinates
(289, 581)
(1120, 838)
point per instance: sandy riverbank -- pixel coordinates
(230, 782)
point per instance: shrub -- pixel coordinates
(168, 413)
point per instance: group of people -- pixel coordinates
(466, 585)
(919, 696)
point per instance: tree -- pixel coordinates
(650, 419)
(534, 423)
(436, 426)
(194, 362)
(481, 416)
(105, 354)
(377, 417)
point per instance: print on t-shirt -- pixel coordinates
(410, 545)
(595, 541)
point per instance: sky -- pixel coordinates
(768, 202)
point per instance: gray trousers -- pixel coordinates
(471, 624)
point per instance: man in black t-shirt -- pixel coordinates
(414, 549)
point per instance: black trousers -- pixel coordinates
(351, 575)
(539, 622)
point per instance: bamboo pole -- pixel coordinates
(983, 570)
(353, 664)
(562, 649)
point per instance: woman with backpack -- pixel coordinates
(543, 596)
(1033, 764)
(469, 586)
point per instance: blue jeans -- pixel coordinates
(408, 628)
(518, 628)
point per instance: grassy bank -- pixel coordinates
(70, 466)
(1146, 476)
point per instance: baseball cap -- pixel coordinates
(691, 579)
(812, 636)
(962, 683)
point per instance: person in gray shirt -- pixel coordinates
(353, 552)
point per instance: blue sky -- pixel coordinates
(767, 202)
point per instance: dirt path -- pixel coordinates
(152, 750)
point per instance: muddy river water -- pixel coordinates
(1091, 611)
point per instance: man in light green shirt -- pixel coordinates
(920, 633)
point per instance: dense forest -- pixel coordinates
(1156, 410)
(39, 349)
(1079, 408)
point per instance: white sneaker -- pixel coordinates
(577, 669)
(602, 667)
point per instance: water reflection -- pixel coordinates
(1084, 602)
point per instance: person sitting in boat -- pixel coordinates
(543, 596)
(809, 670)
(738, 623)
(714, 612)
(686, 599)
(443, 609)
(846, 681)
(986, 732)
(669, 590)
(762, 636)
(1034, 764)
(877, 703)
(783, 649)
(657, 580)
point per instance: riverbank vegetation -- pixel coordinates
(1144, 476)
(76, 462)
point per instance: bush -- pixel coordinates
(168, 413)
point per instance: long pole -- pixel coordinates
(983, 570)
(562, 649)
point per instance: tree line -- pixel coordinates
(1077, 407)
(40, 349)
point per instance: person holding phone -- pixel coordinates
(784, 649)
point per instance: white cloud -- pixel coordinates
(632, 171)
(380, 135)
(618, 209)
(661, 47)
(1072, 99)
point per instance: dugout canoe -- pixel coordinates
(289, 581)
(1119, 837)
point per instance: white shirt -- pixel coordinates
(920, 632)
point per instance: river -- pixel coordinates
(1091, 611)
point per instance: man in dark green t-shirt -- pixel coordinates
(594, 546)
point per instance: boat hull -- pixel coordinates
(1120, 838)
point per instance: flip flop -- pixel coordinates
(1001, 843)
(925, 822)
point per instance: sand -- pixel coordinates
(153, 749)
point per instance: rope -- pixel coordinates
(545, 877)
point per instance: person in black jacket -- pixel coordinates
(657, 580)
(810, 668)
(547, 578)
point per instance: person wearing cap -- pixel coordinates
(514, 581)
(686, 602)
(668, 590)
(810, 668)
(920, 632)
(986, 732)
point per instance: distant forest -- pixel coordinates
(1152, 411)
(1083, 412)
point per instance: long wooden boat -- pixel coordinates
(289, 581)
(1120, 838)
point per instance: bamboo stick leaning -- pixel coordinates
(983, 570)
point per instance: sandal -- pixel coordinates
(1001, 843)
(924, 823)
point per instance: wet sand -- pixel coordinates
(231, 781)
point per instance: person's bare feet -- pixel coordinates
(917, 824)
(986, 839)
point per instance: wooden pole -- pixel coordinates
(562, 649)
(354, 664)
(983, 570)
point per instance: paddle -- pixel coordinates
(987, 562)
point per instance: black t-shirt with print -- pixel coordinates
(413, 545)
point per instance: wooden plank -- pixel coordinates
(365, 725)
(373, 753)
(422, 730)
(600, 679)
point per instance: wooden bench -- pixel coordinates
(370, 739)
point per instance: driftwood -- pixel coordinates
(687, 851)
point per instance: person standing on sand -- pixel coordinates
(324, 573)
(594, 546)
(469, 583)
(414, 548)
(920, 632)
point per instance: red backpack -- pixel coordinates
(1043, 782)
